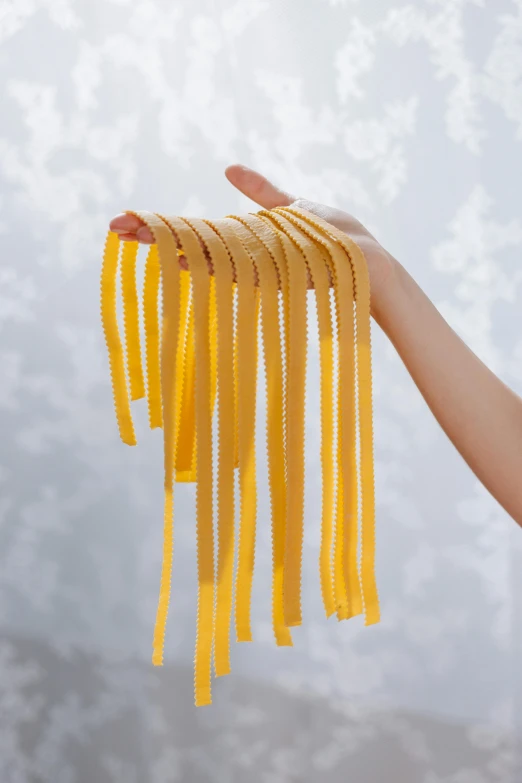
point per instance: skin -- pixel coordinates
(480, 415)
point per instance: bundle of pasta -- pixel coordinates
(206, 346)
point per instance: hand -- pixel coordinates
(381, 264)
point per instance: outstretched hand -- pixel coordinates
(268, 196)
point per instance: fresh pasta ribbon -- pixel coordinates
(131, 320)
(246, 279)
(315, 264)
(152, 337)
(360, 291)
(222, 338)
(319, 267)
(171, 300)
(255, 237)
(296, 379)
(186, 453)
(273, 242)
(113, 340)
(197, 264)
(247, 308)
(345, 570)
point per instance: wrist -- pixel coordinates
(386, 290)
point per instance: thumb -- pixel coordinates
(256, 187)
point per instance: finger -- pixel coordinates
(124, 223)
(144, 235)
(256, 187)
(127, 237)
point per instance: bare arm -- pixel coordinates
(480, 415)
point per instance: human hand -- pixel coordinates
(381, 264)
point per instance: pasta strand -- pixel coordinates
(201, 355)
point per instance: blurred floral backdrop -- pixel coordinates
(410, 117)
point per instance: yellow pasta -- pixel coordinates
(201, 348)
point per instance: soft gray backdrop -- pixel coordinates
(409, 116)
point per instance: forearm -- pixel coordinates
(477, 411)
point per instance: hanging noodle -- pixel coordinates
(203, 347)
